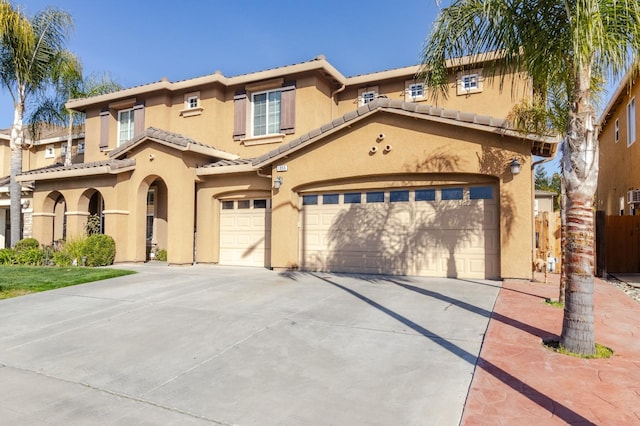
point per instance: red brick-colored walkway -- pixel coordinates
(519, 382)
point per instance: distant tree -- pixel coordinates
(29, 50)
(541, 179)
(69, 83)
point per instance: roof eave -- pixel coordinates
(63, 174)
(223, 170)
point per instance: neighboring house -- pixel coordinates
(619, 177)
(48, 149)
(302, 167)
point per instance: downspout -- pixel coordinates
(533, 218)
(262, 174)
(333, 95)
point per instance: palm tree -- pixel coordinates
(69, 83)
(564, 46)
(28, 50)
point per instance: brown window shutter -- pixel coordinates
(239, 116)
(104, 129)
(138, 119)
(288, 108)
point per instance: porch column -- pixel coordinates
(76, 224)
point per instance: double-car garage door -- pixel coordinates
(448, 231)
(440, 231)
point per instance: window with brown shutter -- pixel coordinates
(240, 116)
(138, 119)
(104, 130)
(288, 112)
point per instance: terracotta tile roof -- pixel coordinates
(159, 135)
(176, 140)
(414, 109)
(58, 167)
(47, 131)
(223, 163)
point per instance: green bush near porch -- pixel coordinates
(94, 250)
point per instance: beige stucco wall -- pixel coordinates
(423, 154)
(618, 162)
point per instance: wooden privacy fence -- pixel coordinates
(547, 235)
(617, 244)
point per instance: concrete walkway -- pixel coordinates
(213, 345)
(520, 382)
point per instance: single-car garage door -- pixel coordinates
(245, 232)
(440, 231)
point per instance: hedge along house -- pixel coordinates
(301, 167)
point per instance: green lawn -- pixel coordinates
(20, 280)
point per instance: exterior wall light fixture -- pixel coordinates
(515, 166)
(277, 183)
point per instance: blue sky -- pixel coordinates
(140, 41)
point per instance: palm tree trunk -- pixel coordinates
(15, 189)
(563, 236)
(580, 173)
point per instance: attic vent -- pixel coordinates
(633, 196)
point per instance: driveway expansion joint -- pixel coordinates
(121, 395)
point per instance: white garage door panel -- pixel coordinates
(430, 238)
(245, 236)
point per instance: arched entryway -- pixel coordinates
(93, 203)
(154, 190)
(54, 210)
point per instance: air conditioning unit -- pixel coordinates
(633, 196)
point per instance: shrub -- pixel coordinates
(7, 256)
(161, 255)
(26, 243)
(29, 256)
(62, 258)
(70, 252)
(100, 250)
(93, 224)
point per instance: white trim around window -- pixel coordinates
(50, 151)
(469, 82)
(367, 94)
(414, 91)
(266, 109)
(192, 105)
(631, 122)
(125, 125)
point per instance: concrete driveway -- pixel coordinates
(220, 345)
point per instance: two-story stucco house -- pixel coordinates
(302, 167)
(47, 149)
(619, 179)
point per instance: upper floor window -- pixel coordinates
(192, 102)
(266, 112)
(125, 125)
(367, 97)
(469, 82)
(617, 130)
(81, 147)
(631, 122)
(416, 91)
(50, 151)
